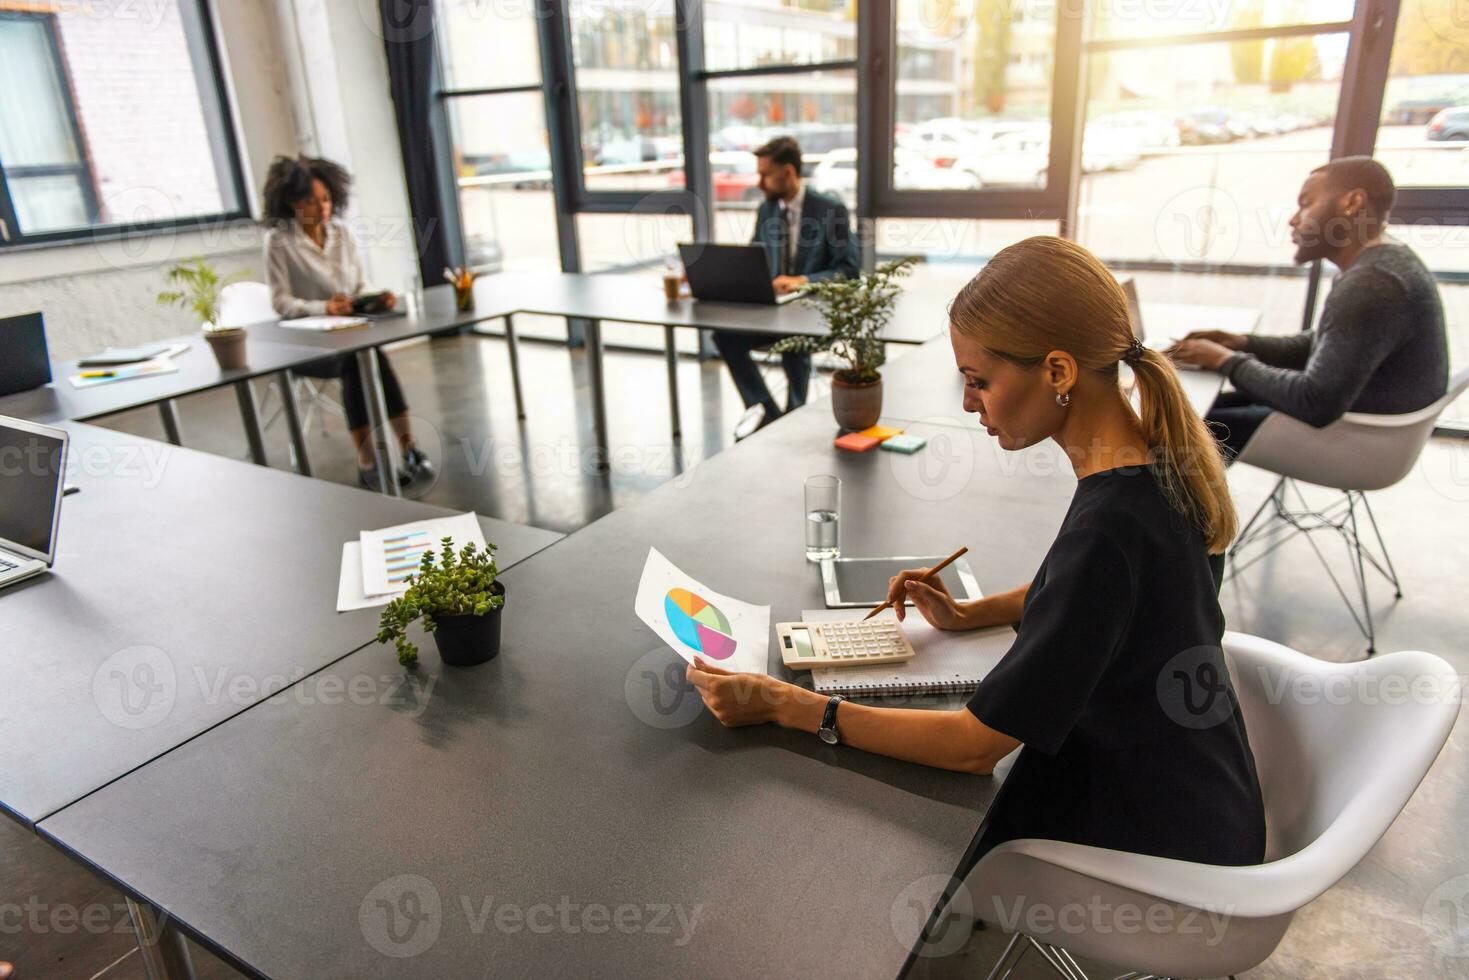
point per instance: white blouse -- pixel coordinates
(304, 275)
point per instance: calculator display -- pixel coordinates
(803, 642)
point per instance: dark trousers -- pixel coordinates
(735, 347)
(1233, 419)
(354, 400)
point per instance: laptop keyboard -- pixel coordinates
(6, 566)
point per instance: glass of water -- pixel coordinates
(823, 508)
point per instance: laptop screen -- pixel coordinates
(30, 477)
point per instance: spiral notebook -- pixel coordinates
(944, 661)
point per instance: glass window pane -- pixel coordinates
(818, 109)
(48, 203)
(1196, 153)
(626, 59)
(972, 96)
(503, 169)
(35, 130)
(761, 33)
(488, 45)
(640, 245)
(1108, 19)
(1425, 109)
(92, 71)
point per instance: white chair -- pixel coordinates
(1354, 454)
(1339, 748)
(244, 304)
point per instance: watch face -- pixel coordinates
(828, 735)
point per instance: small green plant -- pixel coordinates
(458, 585)
(855, 311)
(197, 286)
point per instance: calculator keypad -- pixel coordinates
(854, 642)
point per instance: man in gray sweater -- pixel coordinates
(1380, 346)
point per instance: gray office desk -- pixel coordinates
(186, 588)
(575, 769)
(197, 371)
(925, 383)
(594, 298)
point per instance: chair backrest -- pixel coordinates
(242, 304)
(1356, 452)
(1339, 747)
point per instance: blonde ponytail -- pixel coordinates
(1185, 456)
(1047, 293)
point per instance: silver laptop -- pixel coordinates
(32, 480)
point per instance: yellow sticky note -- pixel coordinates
(881, 432)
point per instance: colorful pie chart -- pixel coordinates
(698, 625)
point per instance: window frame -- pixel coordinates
(202, 41)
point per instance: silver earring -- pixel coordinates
(1063, 398)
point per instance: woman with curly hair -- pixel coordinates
(315, 269)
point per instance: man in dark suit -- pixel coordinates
(807, 237)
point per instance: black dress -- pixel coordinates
(1117, 688)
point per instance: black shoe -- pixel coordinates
(416, 464)
(370, 478)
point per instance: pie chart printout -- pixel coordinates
(698, 625)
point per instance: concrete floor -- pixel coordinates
(1401, 913)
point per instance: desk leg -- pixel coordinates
(384, 442)
(287, 381)
(514, 347)
(250, 415)
(599, 393)
(169, 409)
(164, 951)
(670, 351)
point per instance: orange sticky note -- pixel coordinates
(881, 432)
(856, 442)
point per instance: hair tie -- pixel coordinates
(1135, 351)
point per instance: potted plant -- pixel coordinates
(460, 602)
(196, 285)
(855, 311)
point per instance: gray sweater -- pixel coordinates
(1380, 347)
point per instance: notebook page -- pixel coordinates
(944, 660)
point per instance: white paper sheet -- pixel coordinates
(325, 324)
(694, 620)
(390, 555)
(943, 660)
(350, 594)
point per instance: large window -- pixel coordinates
(972, 100)
(1194, 154)
(112, 119)
(626, 66)
(741, 34)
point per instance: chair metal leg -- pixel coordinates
(1017, 941)
(1291, 518)
(1392, 573)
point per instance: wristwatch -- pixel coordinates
(828, 730)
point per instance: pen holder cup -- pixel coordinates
(464, 298)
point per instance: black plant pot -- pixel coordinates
(464, 641)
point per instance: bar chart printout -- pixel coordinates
(392, 554)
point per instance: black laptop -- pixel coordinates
(729, 273)
(24, 363)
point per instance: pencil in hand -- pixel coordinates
(927, 577)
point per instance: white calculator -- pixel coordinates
(842, 644)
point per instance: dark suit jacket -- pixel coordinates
(824, 246)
